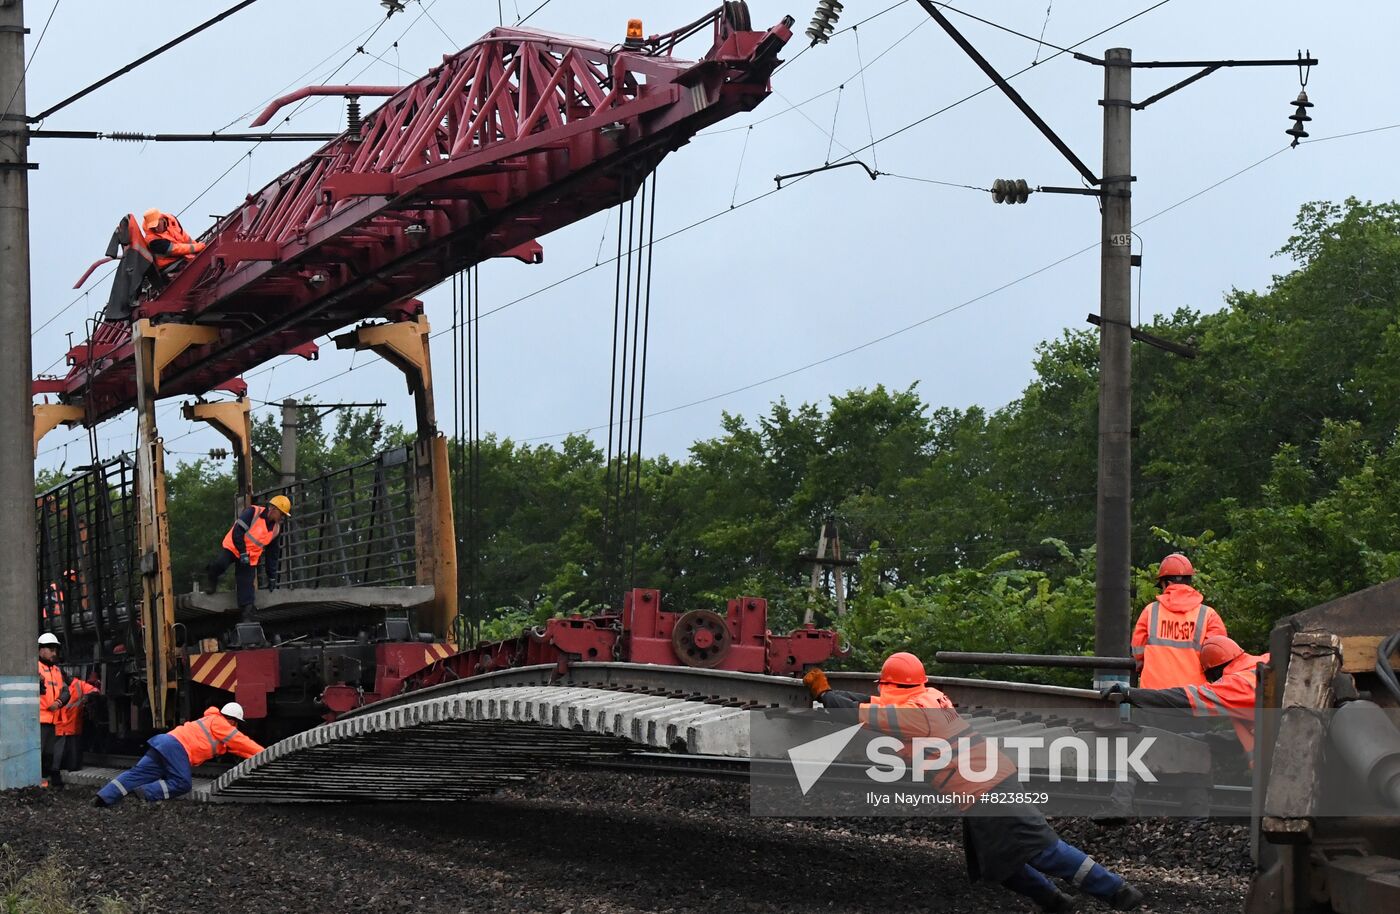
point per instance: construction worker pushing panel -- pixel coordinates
(254, 540)
(1231, 683)
(166, 770)
(1019, 849)
(1171, 629)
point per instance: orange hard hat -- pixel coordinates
(903, 669)
(1218, 650)
(150, 217)
(1175, 565)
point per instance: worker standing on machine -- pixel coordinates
(165, 771)
(253, 540)
(53, 695)
(1171, 629)
(1018, 849)
(1231, 683)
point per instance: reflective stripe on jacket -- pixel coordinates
(211, 736)
(51, 685)
(910, 714)
(1168, 636)
(256, 535)
(1232, 695)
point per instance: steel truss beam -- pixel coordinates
(513, 137)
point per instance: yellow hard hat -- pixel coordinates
(281, 503)
(150, 217)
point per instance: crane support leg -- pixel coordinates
(154, 347)
(405, 346)
(233, 420)
(49, 416)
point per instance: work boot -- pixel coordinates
(1054, 904)
(99, 803)
(1127, 898)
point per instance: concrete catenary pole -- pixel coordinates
(19, 614)
(1113, 610)
(290, 414)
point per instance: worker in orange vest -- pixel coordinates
(1019, 849)
(68, 726)
(253, 540)
(1231, 683)
(53, 695)
(1171, 629)
(165, 771)
(167, 239)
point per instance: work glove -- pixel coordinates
(198, 246)
(815, 681)
(1117, 693)
(63, 695)
(243, 558)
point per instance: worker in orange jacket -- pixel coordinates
(165, 771)
(1171, 629)
(254, 538)
(1231, 683)
(53, 695)
(1018, 849)
(68, 726)
(167, 239)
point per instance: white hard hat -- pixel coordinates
(48, 638)
(233, 709)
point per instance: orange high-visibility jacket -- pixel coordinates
(926, 712)
(256, 536)
(1231, 695)
(181, 246)
(1168, 636)
(51, 685)
(69, 718)
(211, 736)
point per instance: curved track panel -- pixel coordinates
(462, 745)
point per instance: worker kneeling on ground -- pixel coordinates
(1231, 682)
(253, 540)
(1019, 849)
(1170, 630)
(165, 770)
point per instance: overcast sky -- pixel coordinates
(785, 281)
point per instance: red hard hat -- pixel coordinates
(1175, 565)
(903, 669)
(1218, 650)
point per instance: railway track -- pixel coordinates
(462, 739)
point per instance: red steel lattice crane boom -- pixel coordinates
(519, 134)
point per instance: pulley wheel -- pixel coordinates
(736, 13)
(701, 638)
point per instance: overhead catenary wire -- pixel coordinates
(696, 224)
(145, 58)
(38, 43)
(937, 315)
